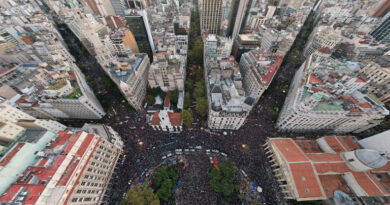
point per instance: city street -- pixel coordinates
(144, 148)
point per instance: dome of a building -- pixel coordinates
(371, 158)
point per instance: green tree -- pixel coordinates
(223, 180)
(199, 74)
(110, 86)
(165, 191)
(141, 194)
(174, 97)
(163, 180)
(199, 89)
(189, 84)
(201, 106)
(150, 100)
(187, 117)
(160, 176)
(155, 91)
(103, 100)
(195, 55)
(187, 100)
(91, 83)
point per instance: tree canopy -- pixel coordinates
(187, 117)
(187, 100)
(141, 194)
(163, 180)
(199, 74)
(174, 97)
(201, 106)
(150, 100)
(199, 89)
(223, 180)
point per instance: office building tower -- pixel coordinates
(100, 7)
(130, 74)
(138, 24)
(210, 16)
(382, 32)
(137, 4)
(239, 18)
(381, 8)
(119, 7)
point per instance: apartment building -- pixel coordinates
(73, 168)
(217, 46)
(228, 104)
(9, 114)
(167, 72)
(323, 36)
(377, 73)
(131, 77)
(258, 69)
(327, 97)
(57, 91)
(29, 36)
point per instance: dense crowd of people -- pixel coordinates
(144, 149)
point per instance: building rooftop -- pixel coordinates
(318, 174)
(47, 166)
(337, 86)
(18, 158)
(130, 66)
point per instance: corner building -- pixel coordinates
(74, 168)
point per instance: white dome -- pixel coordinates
(371, 158)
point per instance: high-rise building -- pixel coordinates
(56, 91)
(123, 42)
(137, 4)
(119, 7)
(130, 74)
(244, 43)
(138, 24)
(382, 32)
(327, 96)
(332, 167)
(72, 168)
(228, 104)
(100, 7)
(239, 17)
(382, 7)
(258, 69)
(210, 16)
(9, 114)
(217, 46)
(322, 37)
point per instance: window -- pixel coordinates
(74, 200)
